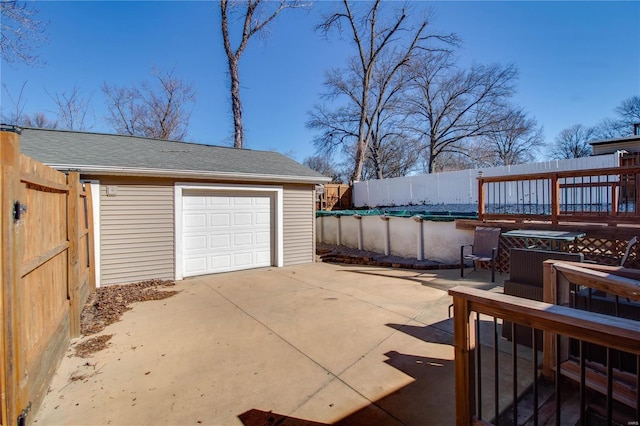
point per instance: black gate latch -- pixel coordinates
(18, 210)
(22, 418)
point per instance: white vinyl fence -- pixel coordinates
(460, 187)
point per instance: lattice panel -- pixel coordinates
(600, 250)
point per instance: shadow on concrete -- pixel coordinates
(433, 279)
(413, 404)
(440, 332)
(430, 398)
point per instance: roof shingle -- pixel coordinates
(86, 151)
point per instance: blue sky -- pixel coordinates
(577, 60)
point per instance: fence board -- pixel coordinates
(9, 167)
(47, 273)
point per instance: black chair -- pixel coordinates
(483, 249)
(632, 243)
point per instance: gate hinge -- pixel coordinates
(22, 418)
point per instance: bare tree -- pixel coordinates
(255, 17)
(629, 114)
(573, 142)
(339, 127)
(449, 106)
(72, 109)
(21, 32)
(390, 152)
(39, 120)
(609, 128)
(322, 164)
(449, 161)
(516, 139)
(160, 111)
(389, 157)
(18, 117)
(14, 115)
(372, 78)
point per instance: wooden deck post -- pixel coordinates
(481, 195)
(463, 349)
(549, 295)
(9, 262)
(556, 291)
(614, 199)
(73, 290)
(555, 199)
(636, 186)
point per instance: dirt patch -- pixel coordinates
(107, 304)
(341, 254)
(95, 344)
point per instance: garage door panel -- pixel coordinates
(220, 241)
(243, 260)
(262, 218)
(195, 220)
(219, 201)
(219, 263)
(220, 219)
(193, 201)
(242, 201)
(195, 266)
(242, 219)
(263, 237)
(198, 242)
(242, 240)
(235, 233)
(263, 258)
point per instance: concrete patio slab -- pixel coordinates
(304, 345)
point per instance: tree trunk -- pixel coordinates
(359, 161)
(236, 104)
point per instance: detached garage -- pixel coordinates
(171, 210)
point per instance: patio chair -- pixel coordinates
(483, 249)
(632, 243)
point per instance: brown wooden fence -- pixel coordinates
(335, 196)
(47, 273)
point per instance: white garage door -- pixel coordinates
(224, 233)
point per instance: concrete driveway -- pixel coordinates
(307, 345)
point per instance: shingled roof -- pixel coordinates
(107, 154)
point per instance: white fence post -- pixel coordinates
(420, 244)
(387, 237)
(359, 221)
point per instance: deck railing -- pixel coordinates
(609, 194)
(568, 334)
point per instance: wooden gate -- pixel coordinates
(46, 270)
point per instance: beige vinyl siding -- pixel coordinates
(136, 232)
(299, 224)
(611, 147)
